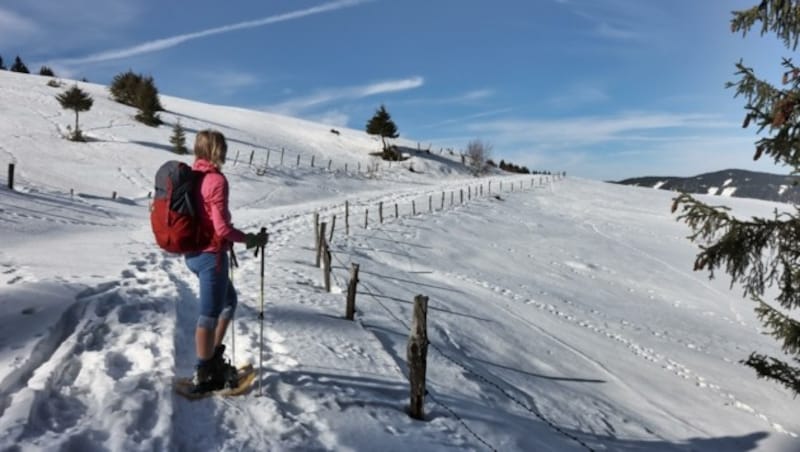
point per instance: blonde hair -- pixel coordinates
(210, 145)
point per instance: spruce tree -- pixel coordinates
(46, 71)
(123, 87)
(19, 66)
(381, 124)
(78, 100)
(147, 102)
(178, 139)
(761, 252)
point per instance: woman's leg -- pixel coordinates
(213, 284)
(226, 316)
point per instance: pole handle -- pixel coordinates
(263, 231)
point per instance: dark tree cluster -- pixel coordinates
(19, 66)
(139, 91)
(512, 168)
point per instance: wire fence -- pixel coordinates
(369, 290)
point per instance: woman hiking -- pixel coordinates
(217, 295)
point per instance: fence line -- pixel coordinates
(369, 290)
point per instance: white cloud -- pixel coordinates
(591, 130)
(609, 31)
(463, 119)
(324, 96)
(172, 41)
(464, 98)
(578, 96)
(334, 118)
(14, 27)
(228, 81)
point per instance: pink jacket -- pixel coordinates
(215, 214)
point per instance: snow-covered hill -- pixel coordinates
(563, 315)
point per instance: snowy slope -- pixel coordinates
(563, 315)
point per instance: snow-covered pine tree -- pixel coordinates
(381, 124)
(761, 252)
(77, 100)
(178, 139)
(19, 66)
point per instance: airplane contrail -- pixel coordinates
(172, 41)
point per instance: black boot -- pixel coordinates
(223, 372)
(203, 380)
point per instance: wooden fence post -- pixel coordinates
(413, 207)
(329, 164)
(266, 164)
(10, 176)
(350, 309)
(380, 211)
(396, 212)
(236, 160)
(347, 217)
(326, 270)
(451, 197)
(462, 195)
(366, 217)
(417, 354)
(113, 195)
(316, 230)
(333, 226)
(490, 187)
(430, 203)
(282, 152)
(359, 167)
(320, 241)
(298, 160)
(252, 153)
(312, 161)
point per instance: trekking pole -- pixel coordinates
(261, 319)
(233, 264)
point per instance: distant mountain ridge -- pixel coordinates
(729, 182)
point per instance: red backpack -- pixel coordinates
(174, 215)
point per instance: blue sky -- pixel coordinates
(604, 89)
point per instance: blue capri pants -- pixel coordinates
(217, 295)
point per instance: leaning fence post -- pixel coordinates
(330, 162)
(333, 226)
(266, 164)
(326, 270)
(416, 354)
(320, 241)
(252, 153)
(347, 217)
(10, 176)
(236, 160)
(316, 230)
(350, 309)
